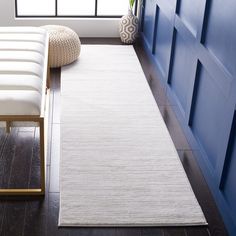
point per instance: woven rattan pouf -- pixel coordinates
(64, 45)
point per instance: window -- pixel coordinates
(71, 8)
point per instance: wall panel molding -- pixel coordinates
(193, 50)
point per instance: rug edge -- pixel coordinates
(133, 225)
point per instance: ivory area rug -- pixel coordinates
(119, 166)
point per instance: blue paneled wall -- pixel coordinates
(193, 46)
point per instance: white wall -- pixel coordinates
(83, 26)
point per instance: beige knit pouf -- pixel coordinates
(64, 45)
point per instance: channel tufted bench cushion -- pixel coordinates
(64, 45)
(24, 86)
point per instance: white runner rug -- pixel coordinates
(119, 166)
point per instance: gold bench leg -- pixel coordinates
(42, 155)
(30, 192)
(21, 192)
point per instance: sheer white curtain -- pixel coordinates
(82, 7)
(76, 7)
(112, 7)
(72, 7)
(36, 7)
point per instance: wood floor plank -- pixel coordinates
(197, 231)
(7, 156)
(112, 41)
(36, 215)
(152, 231)
(3, 138)
(56, 87)
(14, 215)
(20, 168)
(174, 231)
(93, 231)
(174, 128)
(14, 211)
(128, 231)
(55, 159)
(158, 91)
(56, 107)
(7, 152)
(202, 192)
(52, 222)
(36, 207)
(49, 127)
(2, 211)
(145, 62)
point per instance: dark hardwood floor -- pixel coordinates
(19, 166)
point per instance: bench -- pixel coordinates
(24, 87)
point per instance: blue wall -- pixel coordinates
(193, 46)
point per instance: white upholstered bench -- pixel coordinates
(24, 86)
